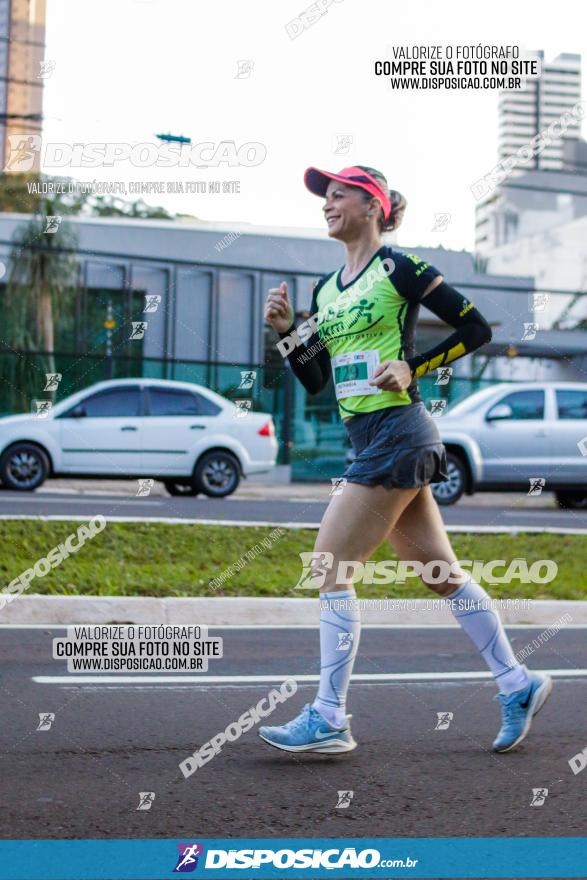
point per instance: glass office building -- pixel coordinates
(197, 292)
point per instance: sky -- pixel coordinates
(128, 69)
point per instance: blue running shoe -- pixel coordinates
(518, 709)
(310, 732)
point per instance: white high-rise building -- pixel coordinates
(525, 113)
(547, 190)
(534, 221)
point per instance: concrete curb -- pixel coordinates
(252, 611)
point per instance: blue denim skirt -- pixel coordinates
(398, 446)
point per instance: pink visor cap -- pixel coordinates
(317, 181)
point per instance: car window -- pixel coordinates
(119, 402)
(571, 404)
(113, 402)
(167, 402)
(524, 404)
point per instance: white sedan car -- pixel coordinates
(183, 434)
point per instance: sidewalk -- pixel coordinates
(35, 610)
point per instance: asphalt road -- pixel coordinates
(508, 511)
(108, 742)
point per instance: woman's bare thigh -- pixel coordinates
(356, 522)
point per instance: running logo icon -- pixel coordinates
(243, 407)
(146, 799)
(244, 68)
(42, 408)
(187, 860)
(338, 484)
(538, 301)
(152, 302)
(315, 564)
(46, 719)
(437, 407)
(441, 221)
(247, 378)
(343, 144)
(138, 329)
(536, 485)
(53, 223)
(24, 151)
(53, 380)
(444, 719)
(443, 375)
(46, 69)
(539, 795)
(345, 641)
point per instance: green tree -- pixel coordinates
(22, 193)
(41, 290)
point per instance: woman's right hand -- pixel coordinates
(278, 311)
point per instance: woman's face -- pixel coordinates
(345, 210)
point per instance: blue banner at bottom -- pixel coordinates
(227, 859)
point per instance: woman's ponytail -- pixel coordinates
(398, 202)
(398, 207)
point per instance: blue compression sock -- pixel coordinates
(340, 630)
(471, 606)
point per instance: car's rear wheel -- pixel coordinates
(571, 500)
(24, 467)
(217, 474)
(179, 489)
(450, 491)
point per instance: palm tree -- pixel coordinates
(40, 291)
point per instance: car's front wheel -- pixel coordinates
(179, 489)
(571, 500)
(217, 474)
(450, 491)
(24, 466)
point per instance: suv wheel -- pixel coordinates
(24, 467)
(217, 474)
(175, 488)
(571, 500)
(450, 491)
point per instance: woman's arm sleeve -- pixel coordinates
(471, 329)
(309, 360)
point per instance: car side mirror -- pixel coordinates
(501, 411)
(78, 412)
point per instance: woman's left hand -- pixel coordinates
(392, 376)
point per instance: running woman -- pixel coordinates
(364, 317)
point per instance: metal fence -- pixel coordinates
(311, 436)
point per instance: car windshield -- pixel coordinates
(469, 403)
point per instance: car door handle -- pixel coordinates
(129, 428)
(541, 433)
(201, 427)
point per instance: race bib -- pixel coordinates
(352, 372)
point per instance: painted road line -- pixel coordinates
(247, 626)
(271, 679)
(175, 520)
(116, 500)
(83, 493)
